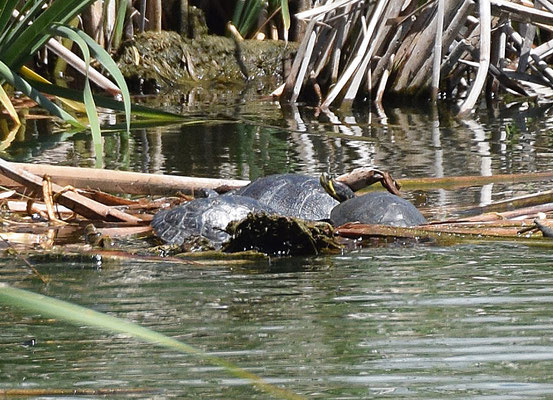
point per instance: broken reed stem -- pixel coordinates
(47, 196)
(464, 181)
(356, 59)
(351, 68)
(485, 50)
(437, 61)
(372, 35)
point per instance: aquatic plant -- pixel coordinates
(247, 14)
(25, 27)
(78, 315)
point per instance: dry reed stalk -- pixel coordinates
(383, 81)
(437, 59)
(527, 40)
(385, 63)
(538, 61)
(415, 50)
(351, 68)
(321, 10)
(292, 85)
(77, 63)
(485, 50)
(522, 13)
(373, 36)
(154, 11)
(343, 28)
(303, 67)
(355, 42)
(457, 16)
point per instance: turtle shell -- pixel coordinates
(205, 217)
(292, 195)
(381, 208)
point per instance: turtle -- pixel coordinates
(381, 208)
(204, 218)
(295, 195)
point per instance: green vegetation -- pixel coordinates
(84, 316)
(26, 26)
(247, 12)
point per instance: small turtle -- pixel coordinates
(381, 208)
(204, 217)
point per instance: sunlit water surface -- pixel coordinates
(401, 322)
(414, 321)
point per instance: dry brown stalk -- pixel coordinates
(48, 198)
(76, 202)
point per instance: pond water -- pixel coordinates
(402, 321)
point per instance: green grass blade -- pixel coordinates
(237, 15)
(36, 34)
(119, 23)
(6, 10)
(107, 62)
(19, 83)
(27, 13)
(84, 316)
(89, 103)
(285, 17)
(251, 17)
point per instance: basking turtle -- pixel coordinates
(372, 208)
(295, 195)
(204, 217)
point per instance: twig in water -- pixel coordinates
(16, 253)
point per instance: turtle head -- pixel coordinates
(338, 190)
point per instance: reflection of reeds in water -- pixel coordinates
(352, 50)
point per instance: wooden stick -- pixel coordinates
(463, 181)
(522, 13)
(77, 63)
(150, 184)
(442, 234)
(123, 181)
(76, 202)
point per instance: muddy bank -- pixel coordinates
(159, 61)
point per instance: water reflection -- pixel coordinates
(248, 139)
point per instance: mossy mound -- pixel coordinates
(165, 59)
(282, 236)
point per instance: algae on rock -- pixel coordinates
(164, 59)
